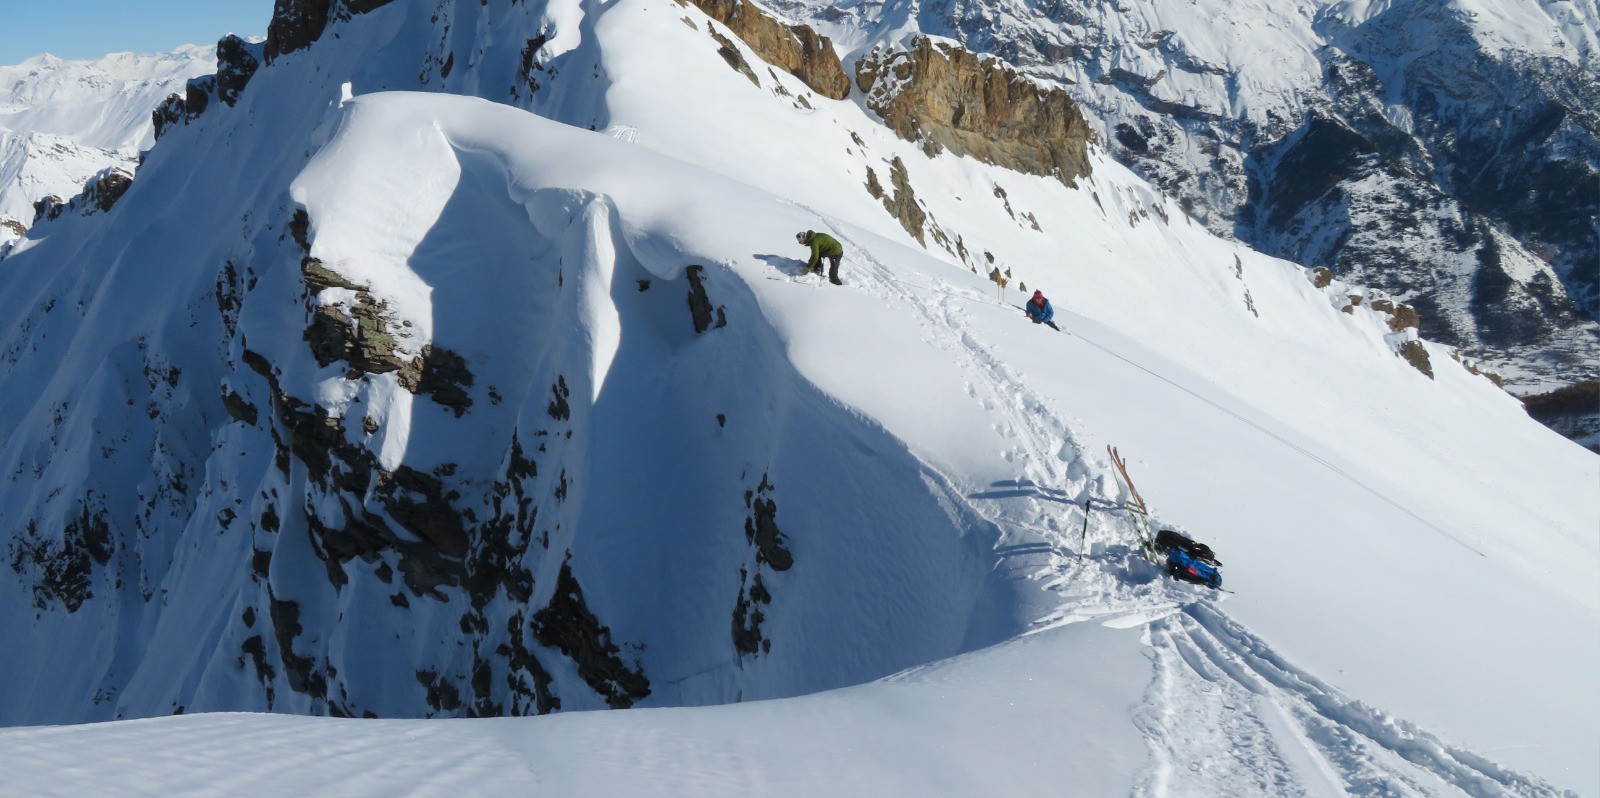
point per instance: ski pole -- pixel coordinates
(1084, 546)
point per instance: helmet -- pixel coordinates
(800, 238)
(1038, 295)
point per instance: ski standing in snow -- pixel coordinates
(1039, 309)
(822, 246)
(1186, 560)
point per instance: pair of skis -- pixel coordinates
(1140, 513)
(1134, 503)
(1130, 500)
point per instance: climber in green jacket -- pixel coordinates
(822, 246)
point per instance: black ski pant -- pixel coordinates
(833, 267)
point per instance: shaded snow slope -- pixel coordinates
(1021, 720)
(471, 436)
(1091, 709)
(61, 122)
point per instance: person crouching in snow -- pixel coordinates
(822, 246)
(1040, 311)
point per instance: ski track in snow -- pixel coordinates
(1216, 687)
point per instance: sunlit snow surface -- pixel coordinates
(63, 121)
(1413, 559)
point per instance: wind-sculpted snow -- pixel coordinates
(418, 405)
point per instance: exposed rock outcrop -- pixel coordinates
(748, 616)
(705, 317)
(1404, 321)
(169, 113)
(1417, 355)
(239, 408)
(443, 696)
(567, 623)
(532, 67)
(237, 62)
(197, 95)
(761, 528)
(60, 569)
(301, 671)
(441, 375)
(431, 555)
(363, 6)
(797, 49)
(762, 533)
(99, 195)
(735, 59)
(181, 109)
(367, 345)
(107, 188)
(945, 97)
(902, 202)
(1402, 316)
(295, 25)
(48, 208)
(358, 333)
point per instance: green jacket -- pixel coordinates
(823, 245)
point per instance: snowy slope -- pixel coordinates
(211, 514)
(1030, 734)
(1437, 149)
(61, 122)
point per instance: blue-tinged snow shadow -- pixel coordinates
(793, 267)
(1025, 489)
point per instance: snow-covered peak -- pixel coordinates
(62, 122)
(104, 103)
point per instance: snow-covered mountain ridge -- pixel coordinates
(412, 404)
(63, 122)
(1444, 151)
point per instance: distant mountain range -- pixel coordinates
(63, 122)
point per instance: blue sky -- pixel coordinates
(92, 28)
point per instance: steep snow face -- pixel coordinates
(374, 402)
(61, 122)
(1391, 142)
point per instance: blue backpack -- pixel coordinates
(1184, 566)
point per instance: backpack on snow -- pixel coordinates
(1187, 560)
(1183, 566)
(1167, 540)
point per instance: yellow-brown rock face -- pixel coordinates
(801, 51)
(947, 98)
